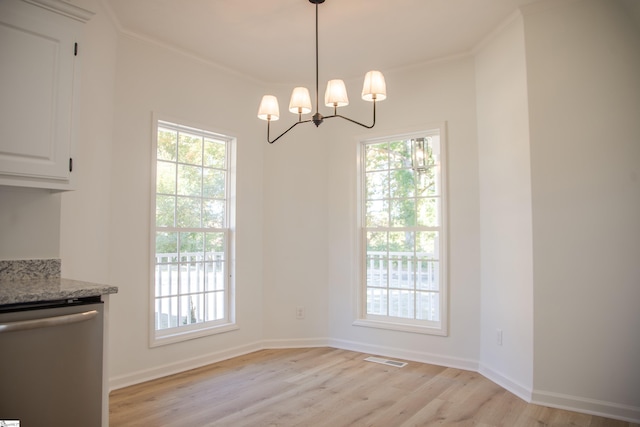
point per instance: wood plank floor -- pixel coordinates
(329, 387)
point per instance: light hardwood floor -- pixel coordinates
(329, 387)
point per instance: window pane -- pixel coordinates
(213, 184)
(197, 309)
(401, 272)
(377, 185)
(192, 276)
(191, 247)
(166, 178)
(376, 157)
(401, 304)
(377, 213)
(167, 279)
(427, 245)
(403, 213)
(214, 246)
(215, 256)
(402, 183)
(190, 149)
(188, 212)
(400, 154)
(428, 306)
(166, 247)
(165, 211)
(214, 153)
(428, 212)
(428, 275)
(401, 242)
(167, 144)
(166, 312)
(215, 280)
(377, 270)
(189, 180)
(215, 306)
(377, 301)
(377, 242)
(213, 213)
(433, 143)
(191, 309)
(427, 182)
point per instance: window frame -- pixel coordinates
(228, 323)
(440, 328)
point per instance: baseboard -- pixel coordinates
(180, 366)
(588, 406)
(415, 356)
(296, 343)
(514, 387)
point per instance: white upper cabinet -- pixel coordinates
(39, 75)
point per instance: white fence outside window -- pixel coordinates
(189, 288)
(403, 284)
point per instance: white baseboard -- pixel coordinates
(416, 356)
(126, 380)
(296, 343)
(514, 387)
(588, 406)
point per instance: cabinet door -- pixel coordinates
(36, 91)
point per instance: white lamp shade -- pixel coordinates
(300, 101)
(269, 109)
(374, 87)
(336, 94)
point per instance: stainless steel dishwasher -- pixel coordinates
(51, 363)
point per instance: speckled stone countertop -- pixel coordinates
(39, 280)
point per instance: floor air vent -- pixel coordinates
(393, 363)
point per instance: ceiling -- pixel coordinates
(273, 41)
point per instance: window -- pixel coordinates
(192, 233)
(403, 219)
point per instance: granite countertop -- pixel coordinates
(39, 280)
(49, 289)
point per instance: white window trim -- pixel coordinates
(174, 335)
(387, 322)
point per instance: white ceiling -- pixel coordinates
(273, 41)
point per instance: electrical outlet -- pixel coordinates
(499, 336)
(300, 313)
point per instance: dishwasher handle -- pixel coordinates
(24, 325)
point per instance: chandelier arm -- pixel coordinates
(356, 122)
(283, 133)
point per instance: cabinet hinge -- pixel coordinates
(70, 164)
(75, 49)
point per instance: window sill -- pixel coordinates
(179, 336)
(401, 327)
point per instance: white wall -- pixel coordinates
(29, 223)
(295, 217)
(583, 68)
(152, 78)
(505, 209)
(417, 97)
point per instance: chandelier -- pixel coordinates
(374, 89)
